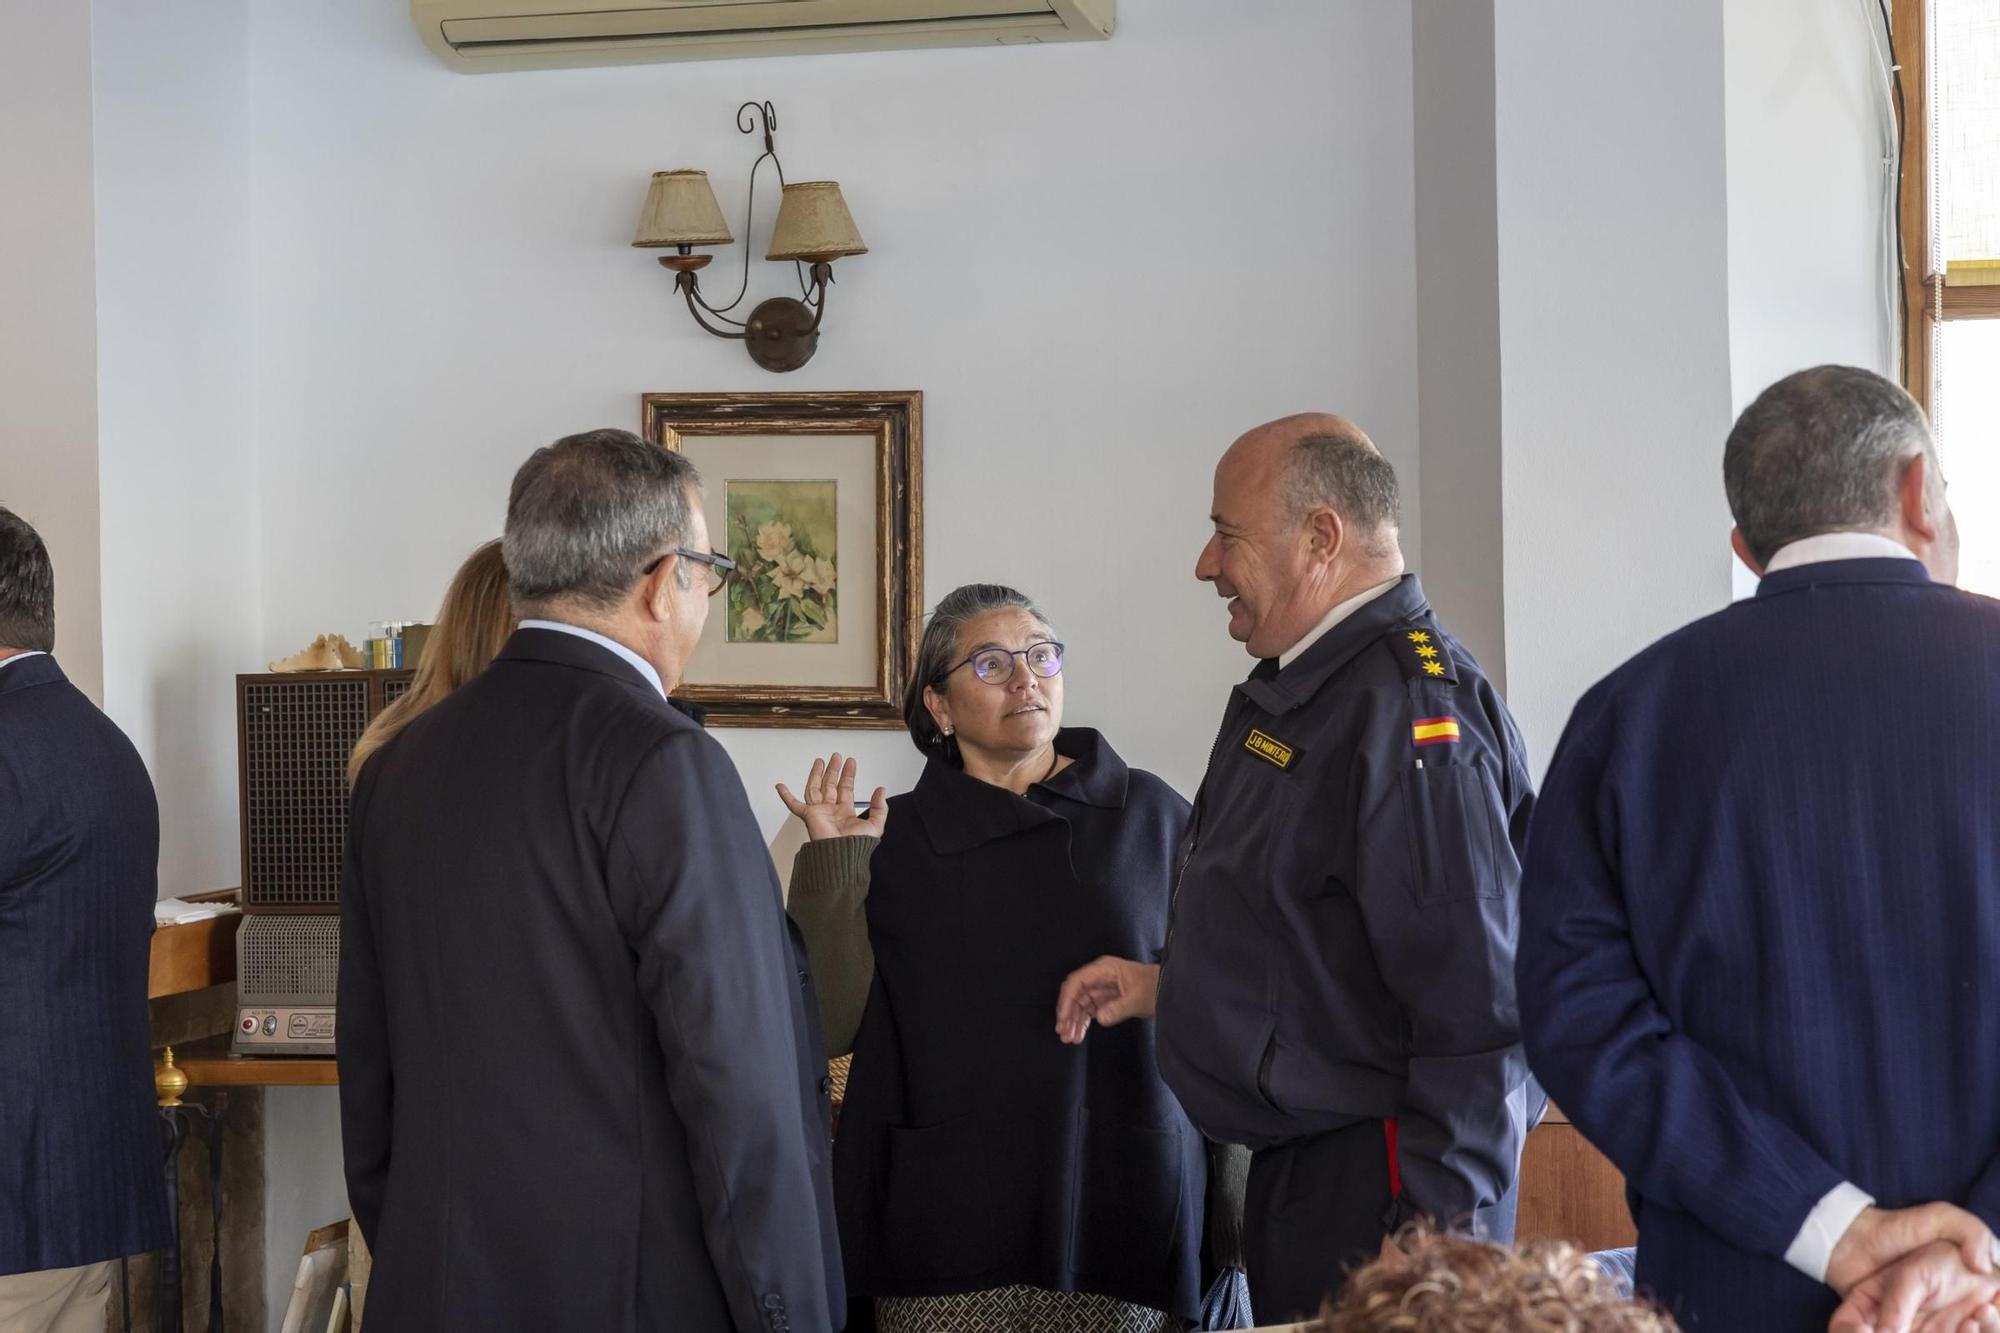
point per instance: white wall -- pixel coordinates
(174, 400)
(303, 1185)
(1806, 193)
(48, 374)
(1614, 332)
(1100, 262)
(1458, 324)
(1805, 180)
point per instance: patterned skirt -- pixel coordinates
(1019, 1310)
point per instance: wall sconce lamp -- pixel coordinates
(813, 227)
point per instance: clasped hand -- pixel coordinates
(1927, 1269)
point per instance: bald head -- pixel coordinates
(1316, 460)
(1306, 514)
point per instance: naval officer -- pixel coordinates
(1337, 989)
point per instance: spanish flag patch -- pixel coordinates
(1435, 730)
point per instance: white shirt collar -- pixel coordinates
(644, 667)
(1332, 618)
(6, 662)
(1838, 546)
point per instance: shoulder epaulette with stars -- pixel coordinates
(1420, 654)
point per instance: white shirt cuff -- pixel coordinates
(1812, 1248)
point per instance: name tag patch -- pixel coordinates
(1270, 749)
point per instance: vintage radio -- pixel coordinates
(294, 735)
(287, 967)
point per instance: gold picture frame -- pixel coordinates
(789, 435)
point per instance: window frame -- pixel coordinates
(1927, 301)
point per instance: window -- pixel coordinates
(1948, 58)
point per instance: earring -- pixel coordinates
(947, 731)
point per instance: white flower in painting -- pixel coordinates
(820, 575)
(773, 539)
(790, 575)
(750, 621)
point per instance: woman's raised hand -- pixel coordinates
(828, 807)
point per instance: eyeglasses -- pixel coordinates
(719, 565)
(995, 666)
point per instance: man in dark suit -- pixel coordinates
(1760, 914)
(578, 1084)
(80, 1177)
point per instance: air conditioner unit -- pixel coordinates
(481, 35)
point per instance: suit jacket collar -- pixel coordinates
(960, 812)
(1888, 569)
(570, 650)
(30, 672)
(1285, 690)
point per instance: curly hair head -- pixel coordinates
(1452, 1284)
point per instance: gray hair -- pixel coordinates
(587, 513)
(1820, 451)
(1347, 474)
(938, 654)
(27, 587)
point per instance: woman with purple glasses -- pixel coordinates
(989, 1176)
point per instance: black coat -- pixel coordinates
(581, 1082)
(976, 1150)
(80, 1178)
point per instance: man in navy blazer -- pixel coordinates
(1760, 915)
(80, 1168)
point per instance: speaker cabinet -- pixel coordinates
(294, 735)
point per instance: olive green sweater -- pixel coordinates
(828, 900)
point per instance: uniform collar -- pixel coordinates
(1332, 618)
(960, 812)
(29, 670)
(1823, 572)
(1300, 680)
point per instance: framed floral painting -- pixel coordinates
(818, 498)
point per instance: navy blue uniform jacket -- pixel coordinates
(80, 1177)
(1343, 934)
(1760, 945)
(976, 1150)
(580, 1079)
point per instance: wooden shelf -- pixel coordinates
(208, 1064)
(193, 956)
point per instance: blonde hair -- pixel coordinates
(1452, 1284)
(475, 620)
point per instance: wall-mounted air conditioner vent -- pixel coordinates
(477, 35)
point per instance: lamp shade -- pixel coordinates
(681, 210)
(813, 224)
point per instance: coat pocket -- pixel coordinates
(1449, 815)
(936, 1214)
(1126, 1210)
